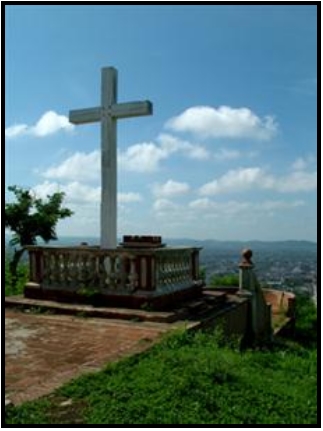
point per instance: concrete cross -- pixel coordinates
(107, 114)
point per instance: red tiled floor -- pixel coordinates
(45, 351)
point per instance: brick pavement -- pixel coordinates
(45, 351)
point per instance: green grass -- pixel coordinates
(189, 378)
(194, 378)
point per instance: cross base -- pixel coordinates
(143, 300)
(142, 241)
(145, 276)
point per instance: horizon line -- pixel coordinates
(187, 239)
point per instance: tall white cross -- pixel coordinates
(107, 114)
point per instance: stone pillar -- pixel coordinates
(250, 287)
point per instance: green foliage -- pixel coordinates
(306, 321)
(17, 287)
(225, 280)
(29, 218)
(202, 274)
(190, 378)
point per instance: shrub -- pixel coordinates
(224, 280)
(17, 287)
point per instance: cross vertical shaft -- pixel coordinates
(109, 77)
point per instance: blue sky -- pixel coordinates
(230, 150)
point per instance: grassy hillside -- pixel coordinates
(194, 378)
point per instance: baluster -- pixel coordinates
(72, 273)
(65, 268)
(113, 274)
(81, 269)
(181, 269)
(46, 268)
(60, 270)
(53, 268)
(133, 277)
(101, 271)
(107, 268)
(91, 268)
(77, 268)
(85, 269)
(153, 273)
(161, 271)
(173, 269)
(50, 268)
(143, 272)
(123, 276)
(178, 276)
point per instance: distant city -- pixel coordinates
(284, 265)
(289, 266)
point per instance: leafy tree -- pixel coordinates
(30, 217)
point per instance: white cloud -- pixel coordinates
(164, 205)
(196, 152)
(299, 164)
(49, 123)
(212, 216)
(78, 193)
(46, 188)
(145, 157)
(278, 205)
(224, 154)
(16, 130)
(170, 188)
(75, 192)
(223, 122)
(302, 163)
(82, 193)
(172, 144)
(243, 179)
(207, 207)
(203, 204)
(298, 181)
(142, 157)
(237, 180)
(78, 167)
(129, 197)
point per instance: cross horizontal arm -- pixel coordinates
(82, 116)
(132, 109)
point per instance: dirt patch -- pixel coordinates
(16, 343)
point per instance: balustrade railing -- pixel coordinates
(122, 270)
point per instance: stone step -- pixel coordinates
(195, 306)
(210, 304)
(19, 301)
(215, 298)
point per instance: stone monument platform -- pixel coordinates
(141, 273)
